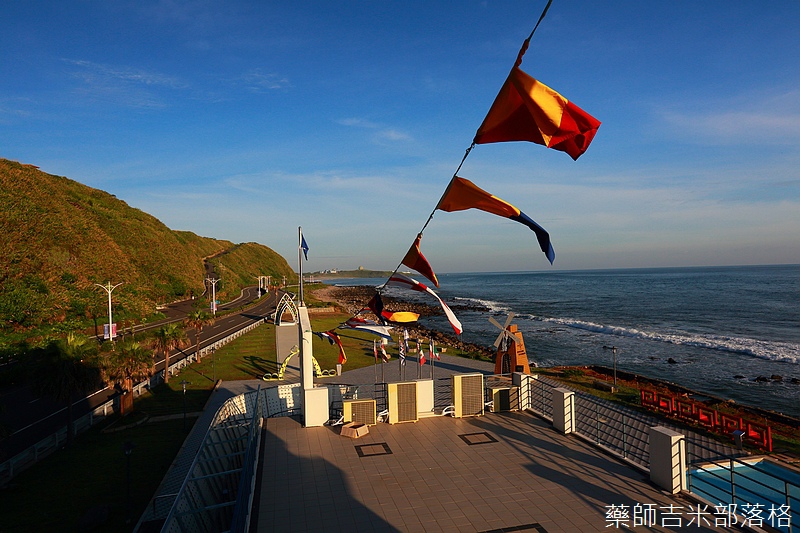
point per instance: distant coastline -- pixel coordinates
(360, 273)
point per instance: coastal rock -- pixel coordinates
(776, 377)
(762, 379)
(672, 361)
(795, 381)
(738, 376)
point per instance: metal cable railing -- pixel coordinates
(755, 492)
(616, 430)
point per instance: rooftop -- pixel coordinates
(500, 472)
(510, 471)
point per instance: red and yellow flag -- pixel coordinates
(528, 110)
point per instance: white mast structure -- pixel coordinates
(315, 399)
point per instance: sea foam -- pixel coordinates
(774, 351)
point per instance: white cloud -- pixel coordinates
(751, 119)
(122, 85)
(383, 134)
(258, 81)
(357, 123)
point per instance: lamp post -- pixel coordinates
(109, 289)
(184, 383)
(127, 449)
(213, 282)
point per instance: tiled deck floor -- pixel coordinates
(499, 472)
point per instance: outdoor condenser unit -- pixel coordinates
(402, 402)
(360, 411)
(505, 399)
(467, 395)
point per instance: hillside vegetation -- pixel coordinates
(61, 237)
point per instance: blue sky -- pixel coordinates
(244, 120)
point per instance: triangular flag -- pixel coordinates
(414, 259)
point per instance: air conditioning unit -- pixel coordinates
(505, 399)
(467, 395)
(360, 411)
(402, 402)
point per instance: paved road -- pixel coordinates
(32, 418)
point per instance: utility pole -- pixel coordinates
(213, 282)
(109, 289)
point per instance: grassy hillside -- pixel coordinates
(61, 237)
(242, 264)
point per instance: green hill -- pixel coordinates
(61, 237)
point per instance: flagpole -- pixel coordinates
(400, 359)
(300, 260)
(419, 358)
(432, 358)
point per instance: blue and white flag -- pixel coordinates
(304, 246)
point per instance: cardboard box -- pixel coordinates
(354, 430)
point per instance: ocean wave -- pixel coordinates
(488, 304)
(774, 351)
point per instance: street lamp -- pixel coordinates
(184, 383)
(213, 282)
(109, 289)
(127, 448)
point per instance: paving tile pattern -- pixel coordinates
(500, 472)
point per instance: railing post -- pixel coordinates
(667, 453)
(543, 402)
(597, 423)
(523, 381)
(564, 410)
(624, 439)
(786, 491)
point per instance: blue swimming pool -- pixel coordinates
(760, 489)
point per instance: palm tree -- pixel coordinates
(198, 320)
(169, 337)
(130, 361)
(67, 369)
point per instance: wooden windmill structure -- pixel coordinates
(511, 354)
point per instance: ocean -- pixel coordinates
(712, 329)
